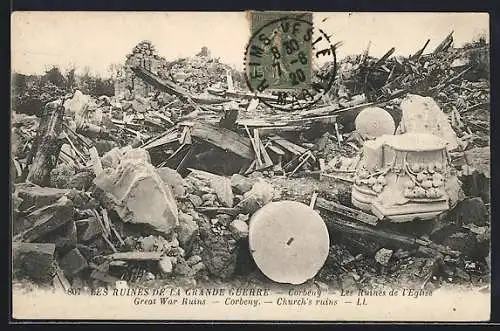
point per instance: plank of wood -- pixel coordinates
(45, 151)
(313, 200)
(267, 159)
(185, 131)
(61, 279)
(288, 145)
(169, 138)
(225, 139)
(346, 211)
(251, 168)
(309, 154)
(386, 238)
(96, 161)
(220, 210)
(276, 150)
(136, 256)
(256, 140)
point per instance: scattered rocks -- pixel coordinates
(219, 254)
(260, 194)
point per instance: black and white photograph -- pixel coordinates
(250, 166)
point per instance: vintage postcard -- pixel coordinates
(250, 166)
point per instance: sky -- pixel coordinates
(98, 39)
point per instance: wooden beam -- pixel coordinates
(47, 145)
(346, 211)
(225, 139)
(288, 145)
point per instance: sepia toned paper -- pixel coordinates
(100, 236)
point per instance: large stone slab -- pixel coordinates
(132, 181)
(423, 115)
(35, 261)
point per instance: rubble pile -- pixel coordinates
(135, 223)
(198, 73)
(159, 183)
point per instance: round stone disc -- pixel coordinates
(373, 122)
(289, 241)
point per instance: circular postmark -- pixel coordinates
(280, 63)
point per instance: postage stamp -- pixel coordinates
(280, 59)
(250, 166)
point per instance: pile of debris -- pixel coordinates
(130, 221)
(198, 73)
(161, 185)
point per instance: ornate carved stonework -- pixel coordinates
(403, 177)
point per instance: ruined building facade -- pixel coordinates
(143, 55)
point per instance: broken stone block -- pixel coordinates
(469, 211)
(136, 256)
(289, 241)
(413, 183)
(65, 238)
(34, 261)
(239, 229)
(423, 115)
(136, 185)
(172, 178)
(47, 219)
(187, 229)
(260, 194)
(38, 196)
(73, 263)
(373, 122)
(88, 229)
(383, 256)
(165, 265)
(241, 184)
